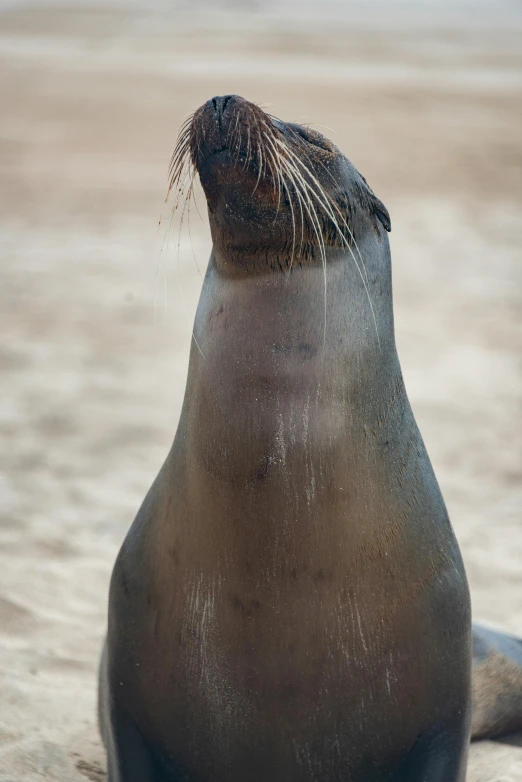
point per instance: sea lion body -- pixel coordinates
(290, 603)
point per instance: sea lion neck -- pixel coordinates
(266, 358)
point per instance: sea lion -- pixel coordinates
(290, 603)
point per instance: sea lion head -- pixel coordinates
(276, 191)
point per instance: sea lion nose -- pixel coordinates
(220, 104)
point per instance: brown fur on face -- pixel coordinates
(279, 189)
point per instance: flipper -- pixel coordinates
(496, 684)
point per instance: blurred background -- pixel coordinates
(424, 97)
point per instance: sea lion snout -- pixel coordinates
(214, 124)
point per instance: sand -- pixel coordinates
(93, 362)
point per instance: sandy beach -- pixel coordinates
(97, 303)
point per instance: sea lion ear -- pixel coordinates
(376, 206)
(382, 213)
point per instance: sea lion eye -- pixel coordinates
(315, 138)
(311, 136)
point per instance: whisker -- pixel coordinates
(181, 176)
(179, 278)
(325, 205)
(314, 220)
